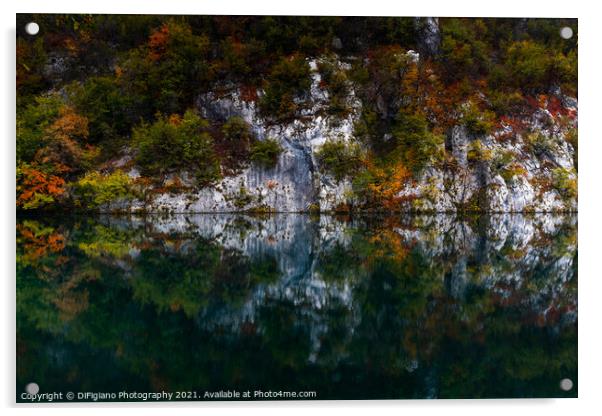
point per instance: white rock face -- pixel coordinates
(527, 180)
(516, 173)
(294, 184)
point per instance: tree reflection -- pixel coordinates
(363, 308)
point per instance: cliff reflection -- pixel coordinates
(378, 307)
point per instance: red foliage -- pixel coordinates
(248, 93)
(158, 43)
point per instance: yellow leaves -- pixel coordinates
(477, 152)
(387, 183)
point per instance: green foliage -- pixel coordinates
(107, 107)
(416, 144)
(539, 143)
(387, 82)
(266, 152)
(534, 67)
(32, 122)
(478, 153)
(335, 81)
(285, 89)
(503, 103)
(463, 48)
(501, 161)
(565, 182)
(96, 189)
(165, 74)
(368, 127)
(237, 133)
(511, 171)
(118, 72)
(175, 143)
(243, 198)
(31, 58)
(478, 122)
(339, 158)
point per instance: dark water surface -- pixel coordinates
(349, 308)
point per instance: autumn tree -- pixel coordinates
(51, 148)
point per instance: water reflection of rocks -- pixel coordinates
(340, 305)
(507, 254)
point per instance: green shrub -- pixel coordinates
(500, 161)
(503, 103)
(107, 108)
(285, 88)
(236, 131)
(177, 144)
(367, 127)
(243, 198)
(416, 144)
(235, 144)
(533, 67)
(166, 73)
(385, 83)
(463, 49)
(478, 122)
(266, 152)
(538, 143)
(96, 189)
(336, 83)
(339, 158)
(477, 152)
(511, 171)
(564, 182)
(32, 122)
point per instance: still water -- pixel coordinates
(349, 308)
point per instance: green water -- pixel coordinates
(349, 308)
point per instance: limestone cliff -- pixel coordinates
(506, 171)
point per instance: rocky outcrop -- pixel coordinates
(429, 35)
(508, 171)
(513, 169)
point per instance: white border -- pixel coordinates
(590, 288)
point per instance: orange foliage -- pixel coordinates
(388, 183)
(36, 245)
(175, 119)
(69, 125)
(271, 184)
(71, 45)
(35, 184)
(389, 243)
(158, 43)
(64, 150)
